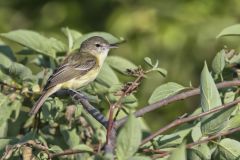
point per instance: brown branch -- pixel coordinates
(188, 119)
(190, 145)
(174, 98)
(10, 149)
(111, 129)
(213, 137)
(10, 86)
(67, 152)
(154, 151)
(99, 117)
(33, 144)
(87, 106)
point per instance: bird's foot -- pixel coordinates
(78, 94)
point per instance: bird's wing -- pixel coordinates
(73, 66)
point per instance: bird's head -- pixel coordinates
(97, 46)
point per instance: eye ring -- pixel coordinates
(97, 45)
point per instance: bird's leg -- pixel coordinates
(80, 94)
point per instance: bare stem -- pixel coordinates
(174, 98)
(190, 145)
(89, 108)
(67, 152)
(180, 121)
(213, 137)
(111, 129)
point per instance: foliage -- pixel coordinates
(63, 124)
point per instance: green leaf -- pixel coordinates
(72, 36)
(35, 41)
(4, 108)
(216, 122)
(139, 158)
(27, 137)
(234, 122)
(5, 61)
(229, 149)
(4, 77)
(114, 88)
(109, 37)
(155, 67)
(4, 129)
(120, 64)
(162, 71)
(219, 62)
(107, 76)
(15, 107)
(164, 91)
(229, 96)
(7, 51)
(210, 99)
(200, 152)
(56, 45)
(129, 99)
(148, 61)
(196, 132)
(20, 71)
(70, 136)
(129, 138)
(83, 147)
(55, 149)
(174, 139)
(233, 30)
(179, 153)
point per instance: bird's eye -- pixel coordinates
(98, 45)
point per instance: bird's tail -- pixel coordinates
(41, 100)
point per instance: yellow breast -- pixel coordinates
(81, 81)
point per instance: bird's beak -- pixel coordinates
(114, 45)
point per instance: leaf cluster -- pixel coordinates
(64, 125)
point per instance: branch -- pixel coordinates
(190, 145)
(213, 137)
(174, 98)
(126, 90)
(10, 86)
(100, 118)
(109, 147)
(88, 107)
(67, 152)
(10, 149)
(188, 119)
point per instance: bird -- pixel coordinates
(77, 70)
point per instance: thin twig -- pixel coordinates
(110, 124)
(68, 152)
(99, 117)
(10, 86)
(109, 148)
(213, 137)
(154, 151)
(188, 119)
(190, 145)
(174, 98)
(10, 149)
(111, 129)
(88, 107)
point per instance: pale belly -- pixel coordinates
(81, 81)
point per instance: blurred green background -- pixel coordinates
(180, 34)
